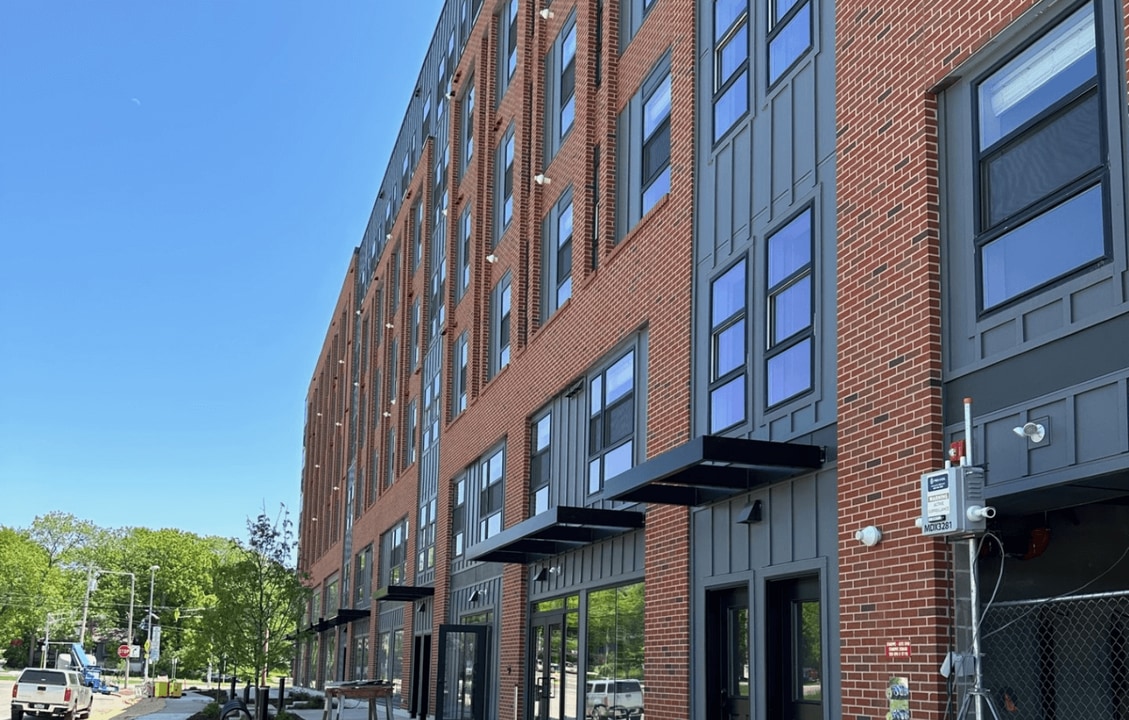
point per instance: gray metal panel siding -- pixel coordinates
(615, 561)
(1054, 341)
(799, 534)
(777, 160)
(1087, 435)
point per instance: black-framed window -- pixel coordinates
(730, 64)
(492, 476)
(458, 518)
(556, 267)
(425, 536)
(362, 577)
(505, 183)
(500, 308)
(632, 13)
(611, 421)
(459, 379)
(432, 409)
(507, 46)
(413, 330)
(540, 463)
(1042, 164)
(417, 235)
(729, 349)
(425, 118)
(393, 370)
(390, 457)
(467, 132)
(466, 229)
(790, 343)
(411, 419)
(394, 555)
(394, 297)
(789, 35)
(560, 86)
(406, 166)
(656, 140)
(642, 162)
(437, 299)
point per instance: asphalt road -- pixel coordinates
(104, 707)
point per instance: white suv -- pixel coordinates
(616, 699)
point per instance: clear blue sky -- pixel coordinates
(181, 185)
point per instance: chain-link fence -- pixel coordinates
(1058, 657)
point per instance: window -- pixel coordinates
(632, 13)
(363, 578)
(730, 64)
(656, 142)
(417, 235)
(643, 154)
(467, 129)
(425, 536)
(789, 34)
(1041, 167)
(505, 183)
(432, 411)
(459, 382)
(790, 321)
(425, 124)
(560, 78)
(437, 300)
(410, 420)
(556, 270)
(394, 555)
(390, 457)
(611, 422)
(462, 282)
(492, 473)
(413, 330)
(507, 47)
(540, 464)
(728, 347)
(394, 297)
(458, 519)
(500, 326)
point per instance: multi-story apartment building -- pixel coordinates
(663, 303)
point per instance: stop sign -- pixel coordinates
(123, 651)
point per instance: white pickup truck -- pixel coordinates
(51, 693)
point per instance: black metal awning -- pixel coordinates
(348, 615)
(404, 593)
(711, 468)
(554, 531)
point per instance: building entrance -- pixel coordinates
(555, 688)
(727, 654)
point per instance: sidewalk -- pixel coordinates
(190, 703)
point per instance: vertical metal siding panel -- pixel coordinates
(1100, 430)
(722, 201)
(719, 516)
(783, 135)
(743, 152)
(805, 108)
(760, 165)
(805, 518)
(739, 546)
(780, 524)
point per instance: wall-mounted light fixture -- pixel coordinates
(387, 414)
(475, 596)
(542, 179)
(1033, 431)
(356, 384)
(444, 212)
(451, 93)
(341, 361)
(422, 608)
(543, 573)
(316, 465)
(752, 513)
(358, 312)
(390, 326)
(335, 488)
(388, 236)
(491, 258)
(337, 424)
(869, 536)
(546, 14)
(313, 519)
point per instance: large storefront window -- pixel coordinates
(615, 651)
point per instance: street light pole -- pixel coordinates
(86, 603)
(149, 641)
(93, 579)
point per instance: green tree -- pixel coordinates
(259, 598)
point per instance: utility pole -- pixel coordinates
(149, 641)
(86, 603)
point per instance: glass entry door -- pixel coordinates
(462, 678)
(554, 689)
(727, 654)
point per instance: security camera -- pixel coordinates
(1033, 431)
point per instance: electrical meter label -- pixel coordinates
(937, 498)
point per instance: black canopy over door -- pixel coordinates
(462, 680)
